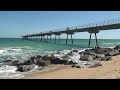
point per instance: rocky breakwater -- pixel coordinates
(76, 57)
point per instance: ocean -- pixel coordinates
(18, 49)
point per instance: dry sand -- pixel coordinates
(108, 70)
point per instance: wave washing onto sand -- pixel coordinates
(9, 72)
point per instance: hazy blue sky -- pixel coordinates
(17, 23)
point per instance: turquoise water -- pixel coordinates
(16, 48)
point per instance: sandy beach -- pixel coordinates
(108, 70)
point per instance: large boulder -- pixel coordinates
(106, 58)
(87, 57)
(102, 51)
(69, 54)
(100, 55)
(58, 61)
(96, 64)
(28, 62)
(117, 48)
(65, 57)
(41, 62)
(90, 52)
(12, 63)
(75, 50)
(113, 53)
(77, 66)
(25, 68)
(71, 62)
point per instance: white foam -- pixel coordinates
(6, 68)
(1, 51)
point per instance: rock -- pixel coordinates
(25, 68)
(71, 62)
(12, 63)
(73, 65)
(96, 64)
(81, 53)
(102, 51)
(117, 48)
(28, 62)
(65, 57)
(69, 54)
(74, 50)
(108, 58)
(42, 62)
(90, 52)
(76, 65)
(58, 61)
(7, 61)
(86, 57)
(16, 63)
(100, 59)
(113, 53)
(100, 55)
(45, 57)
(32, 58)
(38, 57)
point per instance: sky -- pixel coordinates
(13, 24)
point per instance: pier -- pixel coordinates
(92, 28)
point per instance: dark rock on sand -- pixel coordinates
(7, 61)
(108, 58)
(12, 63)
(90, 52)
(71, 62)
(32, 58)
(58, 61)
(102, 51)
(100, 55)
(117, 48)
(81, 53)
(96, 64)
(74, 50)
(25, 68)
(86, 57)
(113, 53)
(69, 54)
(76, 65)
(41, 62)
(28, 62)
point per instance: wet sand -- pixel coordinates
(108, 70)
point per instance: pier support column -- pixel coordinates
(50, 37)
(47, 38)
(44, 38)
(36, 37)
(89, 40)
(67, 39)
(59, 38)
(41, 38)
(71, 39)
(55, 39)
(96, 40)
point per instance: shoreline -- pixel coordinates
(90, 63)
(109, 70)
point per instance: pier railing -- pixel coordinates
(96, 24)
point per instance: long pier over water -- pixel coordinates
(92, 28)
